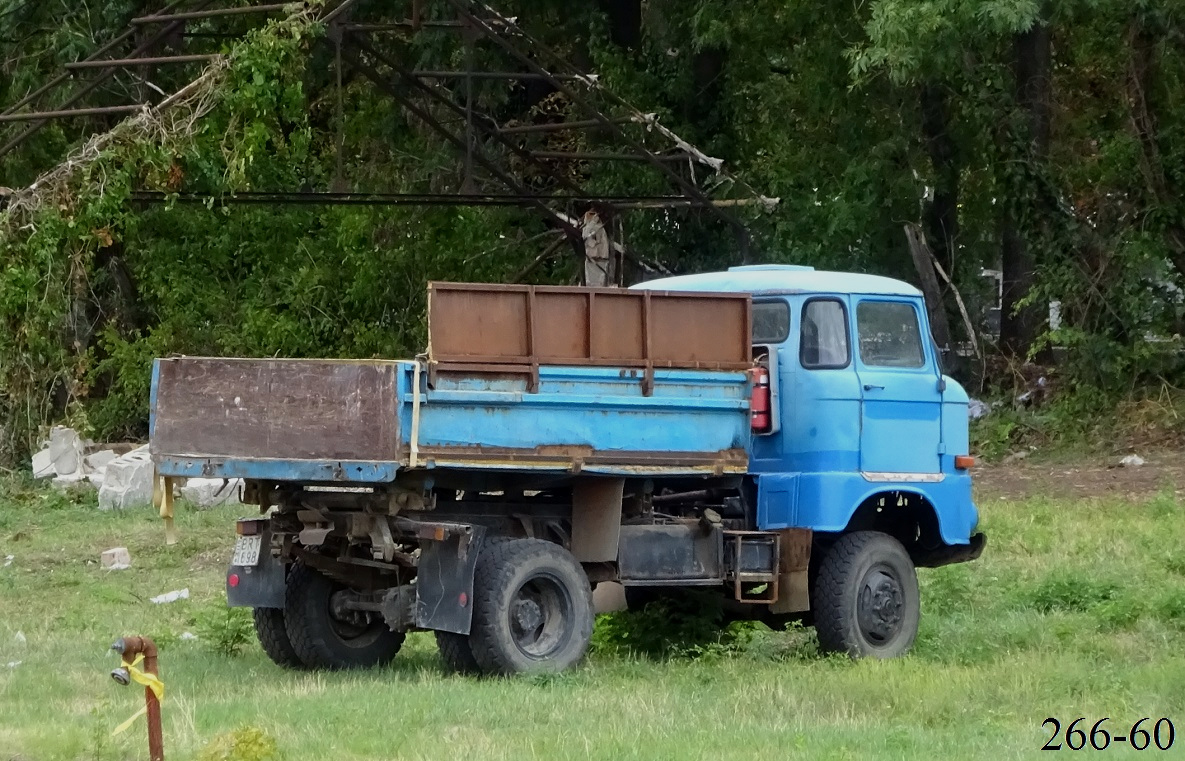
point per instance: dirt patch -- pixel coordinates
(1086, 479)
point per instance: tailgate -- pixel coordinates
(287, 419)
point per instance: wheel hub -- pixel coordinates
(540, 616)
(879, 608)
(347, 621)
(528, 616)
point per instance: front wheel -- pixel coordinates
(532, 608)
(326, 636)
(865, 597)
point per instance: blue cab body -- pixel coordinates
(854, 427)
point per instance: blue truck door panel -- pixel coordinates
(825, 434)
(901, 408)
(777, 500)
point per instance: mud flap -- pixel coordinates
(256, 586)
(444, 583)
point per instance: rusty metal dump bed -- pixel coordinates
(517, 327)
(552, 379)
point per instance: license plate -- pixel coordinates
(247, 550)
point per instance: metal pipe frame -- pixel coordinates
(70, 112)
(382, 83)
(125, 62)
(417, 199)
(103, 76)
(162, 18)
(398, 26)
(602, 156)
(498, 75)
(525, 129)
(467, 113)
(63, 77)
(489, 33)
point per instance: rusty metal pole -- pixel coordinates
(129, 648)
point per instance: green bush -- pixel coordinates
(223, 629)
(668, 627)
(246, 743)
(1072, 593)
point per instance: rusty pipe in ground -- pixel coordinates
(129, 648)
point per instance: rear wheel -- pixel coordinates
(532, 608)
(273, 637)
(324, 634)
(865, 597)
(456, 653)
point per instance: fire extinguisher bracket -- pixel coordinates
(763, 402)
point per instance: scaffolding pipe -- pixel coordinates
(213, 13)
(141, 61)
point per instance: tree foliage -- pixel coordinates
(1043, 138)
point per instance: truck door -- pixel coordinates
(901, 407)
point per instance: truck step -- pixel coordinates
(751, 559)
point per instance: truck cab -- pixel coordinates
(780, 439)
(861, 412)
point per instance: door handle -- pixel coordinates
(872, 387)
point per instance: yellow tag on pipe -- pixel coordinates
(151, 681)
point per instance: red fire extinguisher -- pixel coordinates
(759, 408)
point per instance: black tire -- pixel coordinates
(865, 597)
(532, 608)
(456, 653)
(320, 640)
(273, 637)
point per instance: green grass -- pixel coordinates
(1076, 609)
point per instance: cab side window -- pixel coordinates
(771, 322)
(889, 334)
(823, 344)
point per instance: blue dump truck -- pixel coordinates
(781, 438)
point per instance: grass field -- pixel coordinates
(1076, 609)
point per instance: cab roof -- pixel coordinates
(770, 279)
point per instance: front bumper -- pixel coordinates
(952, 553)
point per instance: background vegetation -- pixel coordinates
(1042, 138)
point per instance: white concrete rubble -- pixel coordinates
(174, 596)
(72, 462)
(211, 492)
(60, 456)
(97, 462)
(116, 559)
(43, 463)
(128, 481)
(65, 450)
